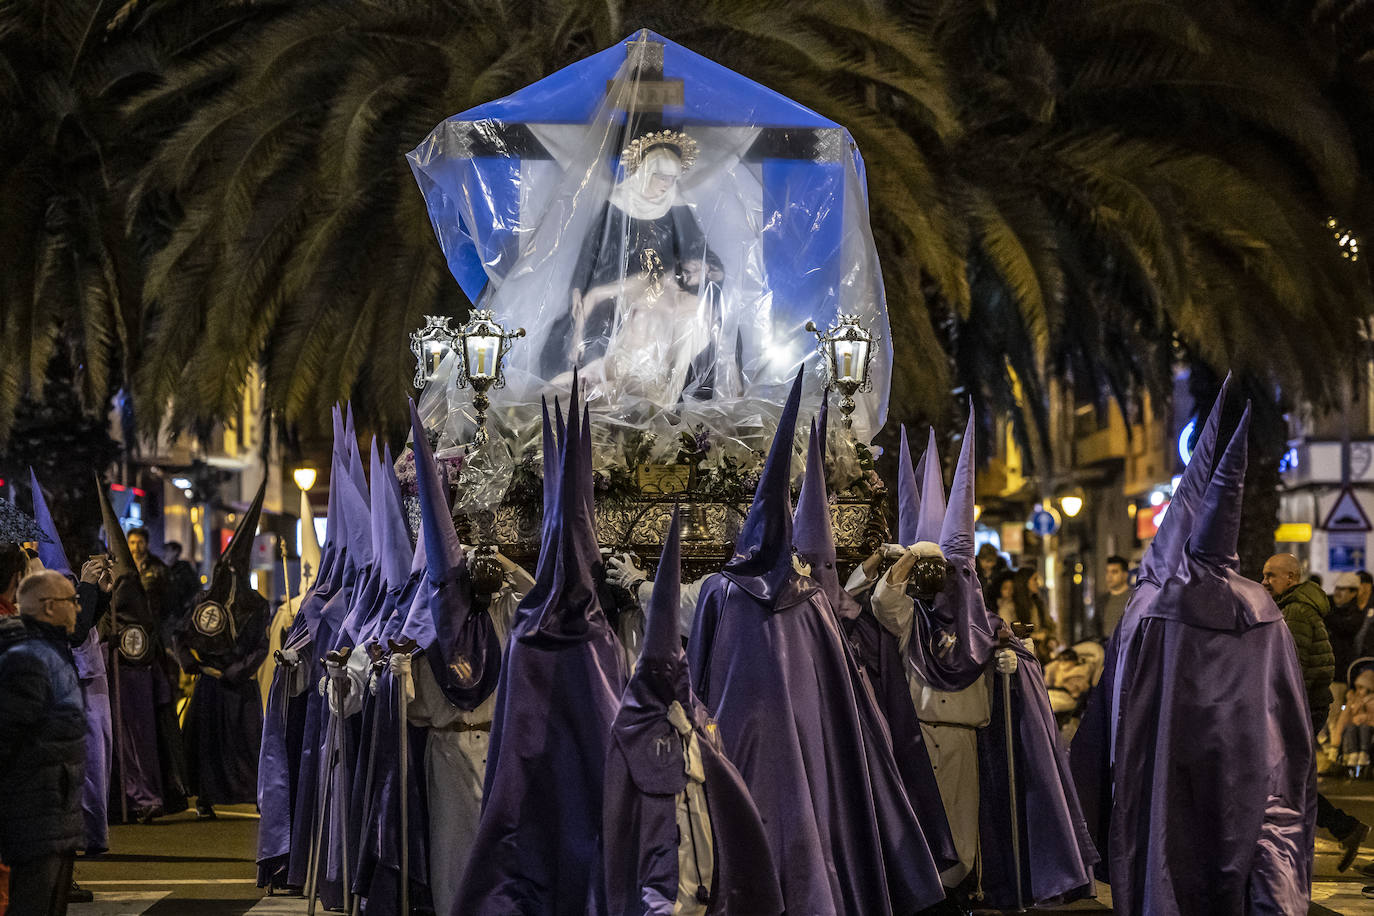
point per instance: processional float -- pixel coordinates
(685, 240)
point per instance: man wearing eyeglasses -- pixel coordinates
(42, 746)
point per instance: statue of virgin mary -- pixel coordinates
(644, 310)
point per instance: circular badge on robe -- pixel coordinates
(209, 618)
(134, 643)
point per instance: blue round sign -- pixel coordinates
(1044, 522)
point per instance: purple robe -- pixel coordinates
(767, 659)
(286, 762)
(379, 864)
(1057, 854)
(279, 756)
(880, 662)
(1215, 775)
(881, 676)
(779, 683)
(136, 757)
(561, 678)
(647, 774)
(1214, 779)
(95, 796)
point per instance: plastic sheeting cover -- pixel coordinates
(668, 226)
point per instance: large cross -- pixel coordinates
(651, 94)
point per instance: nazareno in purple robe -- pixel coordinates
(652, 823)
(877, 656)
(537, 848)
(95, 691)
(324, 619)
(1215, 774)
(1057, 854)
(284, 722)
(434, 599)
(768, 660)
(388, 573)
(1094, 746)
(342, 827)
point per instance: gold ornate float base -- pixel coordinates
(639, 524)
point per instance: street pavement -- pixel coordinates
(180, 866)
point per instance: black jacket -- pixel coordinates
(1343, 626)
(42, 742)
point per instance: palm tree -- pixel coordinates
(1142, 178)
(71, 280)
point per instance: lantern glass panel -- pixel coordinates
(482, 350)
(432, 354)
(851, 360)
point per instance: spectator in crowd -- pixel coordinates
(1364, 640)
(182, 578)
(14, 562)
(1001, 596)
(151, 570)
(1030, 608)
(1354, 729)
(1305, 607)
(1111, 604)
(42, 746)
(1067, 677)
(1343, 626)
(990, 565)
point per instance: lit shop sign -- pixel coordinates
(1293, 533)
(1148, 519)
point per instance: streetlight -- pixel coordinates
(482, 345)
(430, 345)
(304, 477)
(1071, 504)
(847, 348)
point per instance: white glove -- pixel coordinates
(622, 570)
(1006, 661)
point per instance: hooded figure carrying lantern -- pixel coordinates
(224, 640)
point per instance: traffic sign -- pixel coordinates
(1347, 514)
(1345, 551)
(1044, 521)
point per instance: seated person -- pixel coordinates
(1355, 724)
(1068, 677)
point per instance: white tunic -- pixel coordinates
(455, 763)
